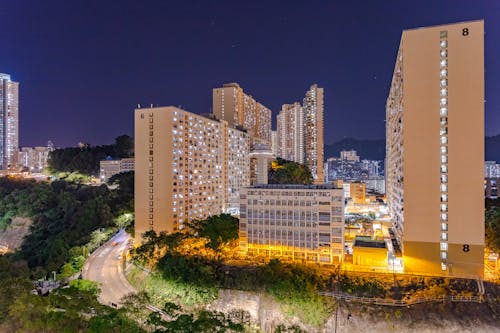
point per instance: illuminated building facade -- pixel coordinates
(110, 167)
(290, 129)
(231, 104)
(9, 122)
(187, 167)
(313, 132)
(435, 149)
(34, 158)
(293, 222)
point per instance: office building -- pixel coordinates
(293, 222)
(290, 129)
(187, 167)
(110, 167)
(435, 149)
(34, 159)
(9, 122)
(232, 104)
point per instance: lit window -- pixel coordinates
(443, 101)
(444, 43)
(444, 236)
(444, 72)
(444, 83)
(444, 111)
(444, 178)
(443, 53)
(444, 140)
(443, 159)
(443, 246)
(443, 266)
(444, 217)
(444, 150)
(444, 188)
(444, 197)
(444, 227)
(444, 92)
(443, 63)
(444, 255)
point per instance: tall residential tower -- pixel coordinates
(435, 148)
(313, 131)
(231, 104)
(187, 167)
(9, 122)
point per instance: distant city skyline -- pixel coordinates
(83, 66)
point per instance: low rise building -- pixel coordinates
(293, 222)
(370, 252)
(34, 159)
(110, 167)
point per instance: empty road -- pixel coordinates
(105, 267)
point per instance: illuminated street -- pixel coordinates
(105, 267)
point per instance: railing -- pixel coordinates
(391, 302)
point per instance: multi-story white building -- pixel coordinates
(491, 169)
(293, 222)
(9, 122)
(435, 148)
(110, 167)
(34, 158)
(187, 167)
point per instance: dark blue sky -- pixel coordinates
(84, 65)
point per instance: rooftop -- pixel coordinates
(296, 187)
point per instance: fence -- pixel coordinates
(390, 302)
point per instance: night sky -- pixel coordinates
(83, 66)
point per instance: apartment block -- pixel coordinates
(435, 149)
(110, 167)
(313, 132)
(34, 159)
(293, 222)
(187, 166)
(9, 122)
(232, 104)
(290, 129)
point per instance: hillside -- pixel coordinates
(375, 149)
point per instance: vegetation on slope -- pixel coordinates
(85, 160)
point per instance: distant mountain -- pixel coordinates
(375, 149)
(492, 148)
(367, 149)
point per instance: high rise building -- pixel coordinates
(293, 222)
(290, 129)
(231, 104)
(9, 122)
(435, 148)
(313, 132)
(187, 166)
(274, 142)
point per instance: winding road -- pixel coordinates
(105, 266)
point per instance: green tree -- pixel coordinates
(492, 229)
(220, 230)
(288, 172)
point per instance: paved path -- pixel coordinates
(105, 266)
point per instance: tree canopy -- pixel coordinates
(85, 160)
(289, 172)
